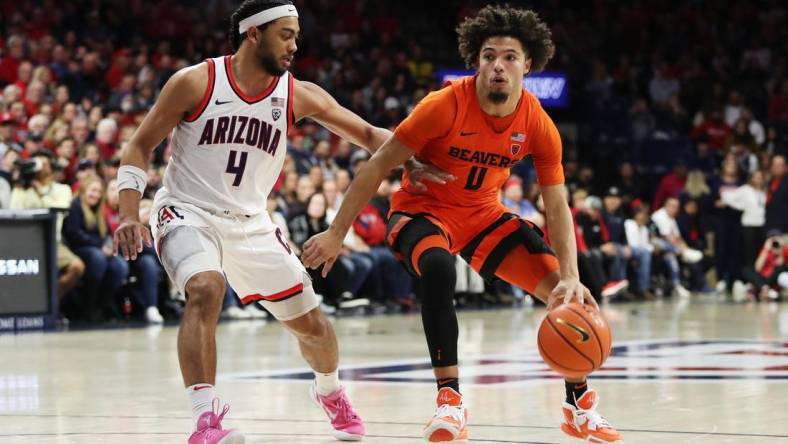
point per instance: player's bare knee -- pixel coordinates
(311, 327)
(205, 291)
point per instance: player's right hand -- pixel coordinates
(322, 248)
(129, 237)
(418, 172)
(569, 290)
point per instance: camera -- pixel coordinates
(776, 245)
(28, 169)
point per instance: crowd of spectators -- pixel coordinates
(675, 139)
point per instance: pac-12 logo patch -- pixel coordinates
(276, 113)
(515, 149)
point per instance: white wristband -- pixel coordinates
(132, 178)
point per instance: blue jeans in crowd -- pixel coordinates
(104, 275)
(643, 257)
(149, 274)
(669, 255)
(359, 266)
(391, 280)
(618, 264)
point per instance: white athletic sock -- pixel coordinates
(202, 396)
(327, 383)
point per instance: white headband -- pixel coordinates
(266, 16)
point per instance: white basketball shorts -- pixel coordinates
(250, 251)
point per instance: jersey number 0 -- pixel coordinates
(475, 178)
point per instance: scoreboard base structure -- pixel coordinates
(28, 274)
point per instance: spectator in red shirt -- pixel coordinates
(120, 64)
(9, 63)
(23, 75)
(390, 280)
(715, 130)
(66, 158)
(80, 130)
(34, 97)
(777, 197)
(778, 105)
(591, 234)
(671, 185)
(19, 115)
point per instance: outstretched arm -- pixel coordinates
(562, 238)
(324, 247)
(313, 101)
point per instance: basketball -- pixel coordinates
(574, 339)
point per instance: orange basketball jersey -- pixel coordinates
(449, 130)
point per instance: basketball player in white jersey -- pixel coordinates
(231, 116)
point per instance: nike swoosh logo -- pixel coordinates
(466, 134)
(584, 336)
(290, 10)
(222, 103)
(202, 387)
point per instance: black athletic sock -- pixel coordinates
(574, 390)
(454, 383)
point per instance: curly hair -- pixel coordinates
(248, 9)
(504, 20)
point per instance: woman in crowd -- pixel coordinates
(727, 228)
(86, 232)
(694, 230)
(750, 199)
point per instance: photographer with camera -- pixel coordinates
(36, 189)
(770, 263)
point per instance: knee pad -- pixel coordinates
(186, 251)
(437, 265)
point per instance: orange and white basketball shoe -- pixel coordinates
(449, 424)
(585, 423)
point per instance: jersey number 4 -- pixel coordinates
(475, 178)
(237, 169)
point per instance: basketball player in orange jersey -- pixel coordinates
(476, 128)
(229, 119)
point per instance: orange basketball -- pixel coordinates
(574, 339)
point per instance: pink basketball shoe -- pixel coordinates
(209, 428)
(347, 425)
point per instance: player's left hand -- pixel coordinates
(418, 172)
(568, 290)
(322, 248)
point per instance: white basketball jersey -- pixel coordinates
(227, 156)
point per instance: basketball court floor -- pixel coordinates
(702, 372)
